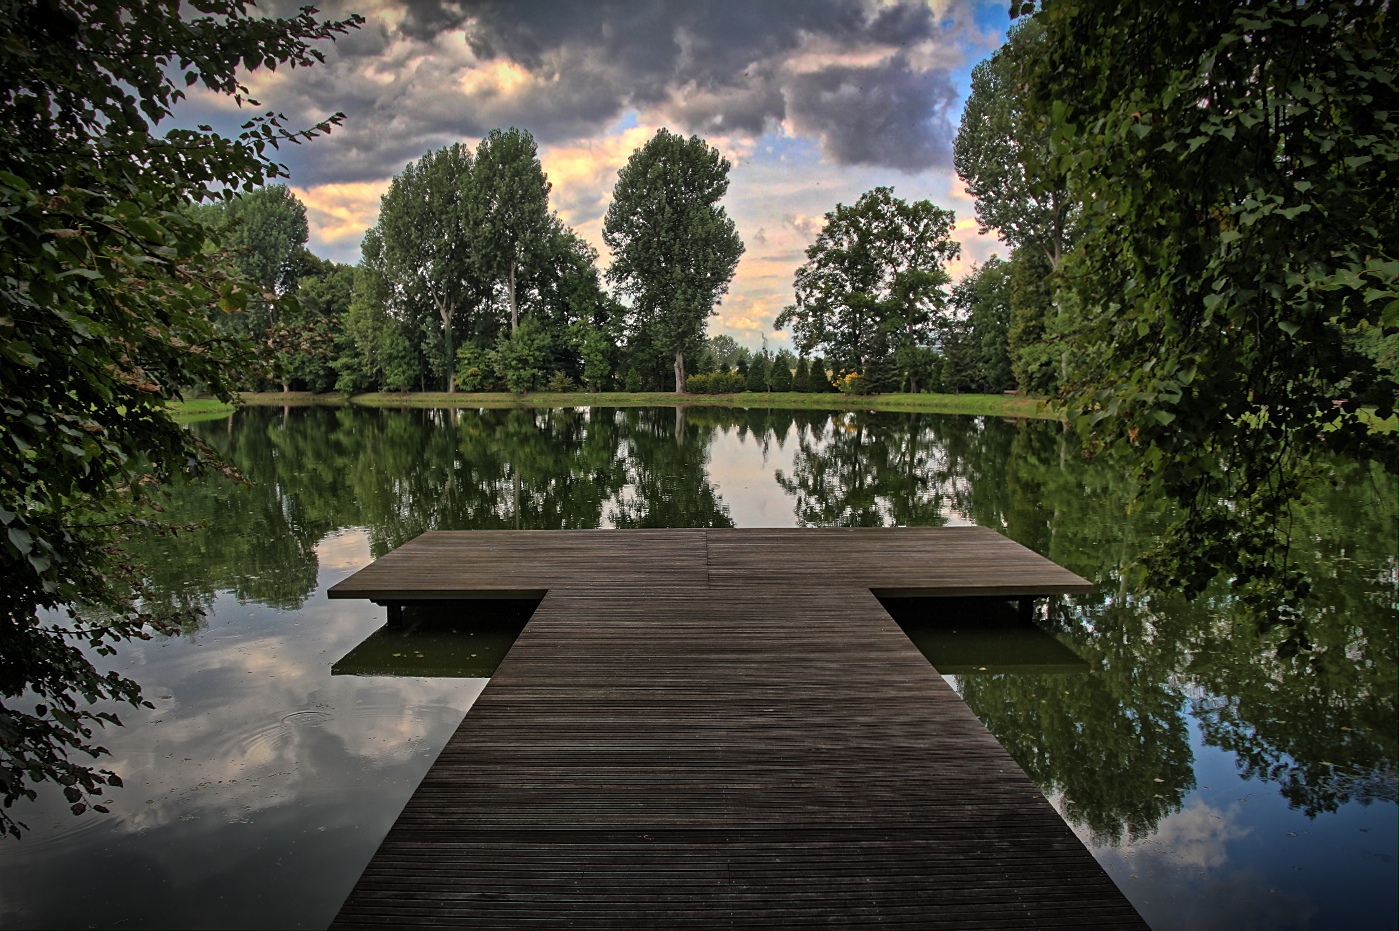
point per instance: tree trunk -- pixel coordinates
(446, 311)
(680, 411)
(679, 371)
(514, 308)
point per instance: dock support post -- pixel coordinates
(395, 614)
(1027, 609)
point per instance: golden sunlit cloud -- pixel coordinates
(498, 78)
(339, 213)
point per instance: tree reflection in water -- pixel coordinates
(1114, 743)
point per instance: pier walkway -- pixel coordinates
(723, 728)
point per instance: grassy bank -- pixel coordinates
(993, 405)
(193, 410)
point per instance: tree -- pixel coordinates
(104, 285)
(1034, 360)
(264, 234)
(316, 324)
(1000, 151)
(801, 378)
(781, 378)
(425, 254)
(674, 248)
(374, 351)
(872, 283)
(1236, 163)
(983, 301)
(510, 206)
(726, 351)
(990, 319)
(756, 378)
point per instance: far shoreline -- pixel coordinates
(987, 405)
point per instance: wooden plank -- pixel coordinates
(674, 741)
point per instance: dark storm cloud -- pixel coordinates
(887, 115)
(868, 80)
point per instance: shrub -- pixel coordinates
(715, 383)
(474, 369)
(560, 383)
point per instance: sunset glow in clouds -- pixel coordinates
(812, 101)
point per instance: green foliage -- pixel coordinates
(674, 248)
(1035, 358)
(633, 382)
(781, 377)
(872, 283)
(726, 351)
(511, 225)
(560, 383)
(475, 368)
(1236, 164)
(263, 233)
(599, 355)
(959, 370)
(519, 358)
(1001, 150)
(316, 324)
(716, 383)
(104, 286)
(757, 377)
(375, 351)
(801, 378)
(424, 253)
(974, 337)
(820, 377)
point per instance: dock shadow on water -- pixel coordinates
(444, 639)
(981, 636)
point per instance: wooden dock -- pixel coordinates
(723, 728)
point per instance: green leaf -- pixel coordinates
(21, 539)
(1288, 327)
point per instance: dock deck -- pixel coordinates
(723, 728)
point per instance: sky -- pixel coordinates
(813, 102)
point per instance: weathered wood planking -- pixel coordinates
(906, 561)
(669, 747)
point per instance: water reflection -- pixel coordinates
(981, 636)
(1201, 765)
(452, 640)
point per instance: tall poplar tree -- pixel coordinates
(513, 229)
(674, 248)
(425, 238)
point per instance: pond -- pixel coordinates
(1221, 785)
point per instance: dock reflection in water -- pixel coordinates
(981, 636)
(447, 639)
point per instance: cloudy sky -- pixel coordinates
(812, 101)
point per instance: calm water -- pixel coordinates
(1221, 786)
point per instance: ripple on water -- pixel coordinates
(67, 830)
(307, 718)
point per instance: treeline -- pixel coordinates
(470, 281)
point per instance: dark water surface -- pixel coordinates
(1221, 785)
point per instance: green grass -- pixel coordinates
(194, 410)
(994, 405)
